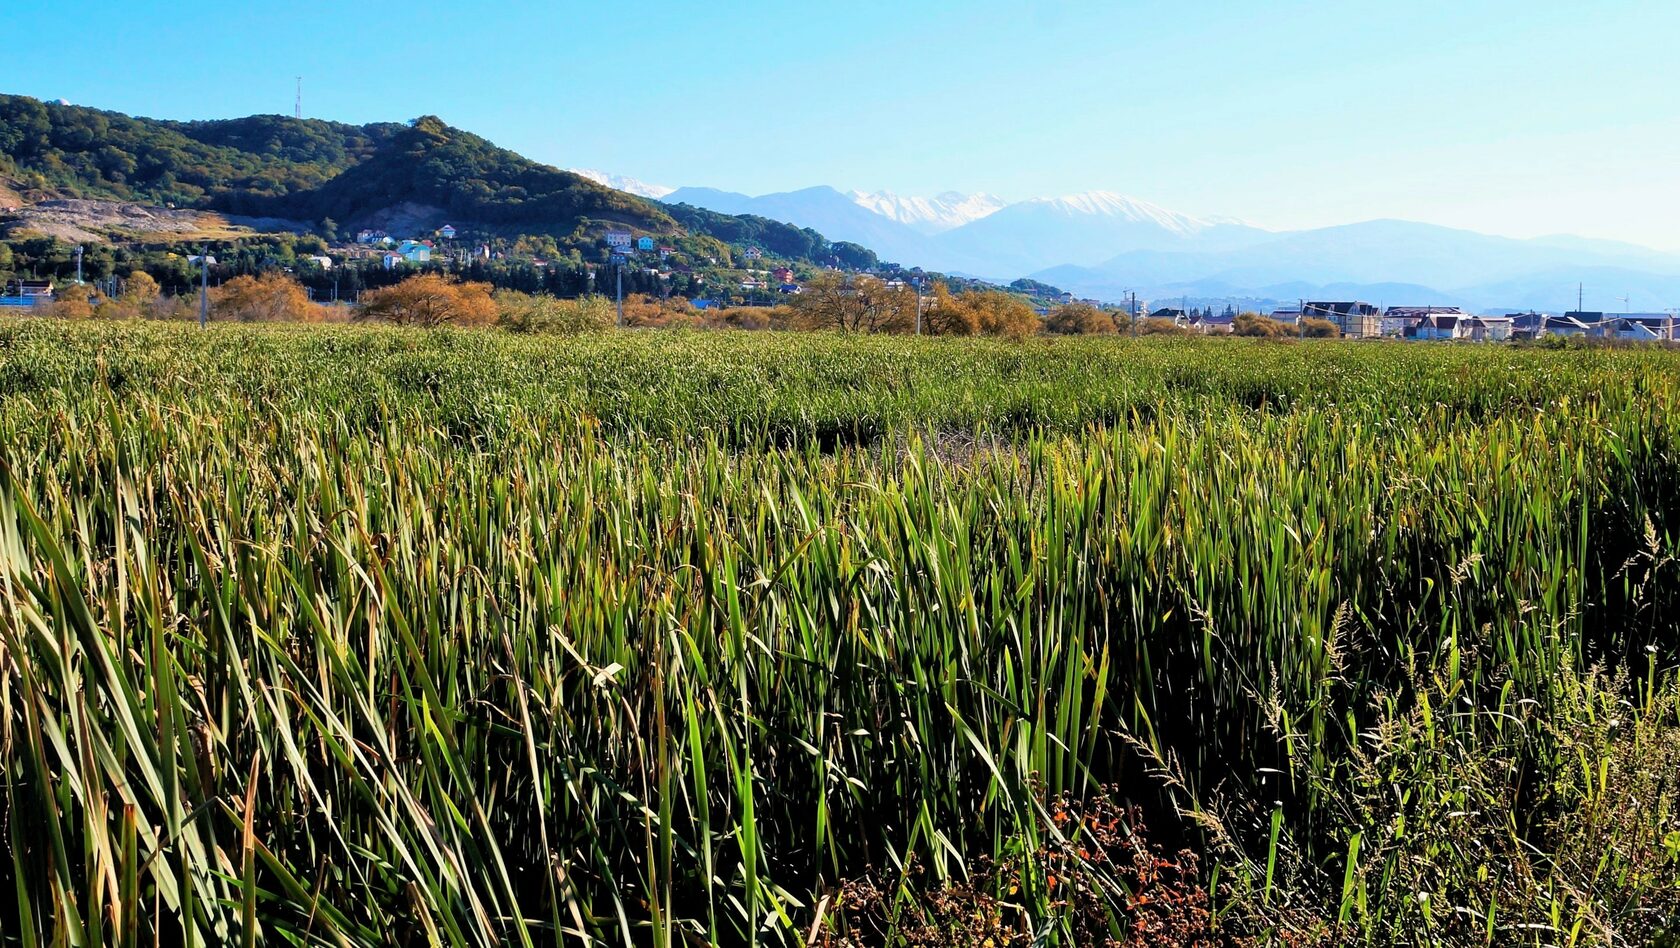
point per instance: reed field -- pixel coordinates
(349, 636)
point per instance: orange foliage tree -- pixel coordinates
(271, 297)
(430, 300)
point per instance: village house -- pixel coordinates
(752, 253)
(1286, 314)
(393, 260)
(1168, 312)
(1212, 325)
(644, 243)
(1402, 320)
(619, 240)
(415, 251)
(1355, 319)
(325, 263)
(665, 252)
(790, 288)
(1641, 327)
(1461, 326)
(1535, 325)
(447, 232)
(782, 275)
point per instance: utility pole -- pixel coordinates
(1300, 320)
(203, 285)
(297, 107)
(78, 263)
(618, 271)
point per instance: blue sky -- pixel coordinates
(1519, 118)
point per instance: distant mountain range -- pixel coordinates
(1103, 244)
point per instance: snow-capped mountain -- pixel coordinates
(929, 215)
(623, 183)
(1084, 229)
(1102, 243)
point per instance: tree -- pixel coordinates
(328, 229)
(1254, 324)
(1080, 319)
(946, 315)
(1004, 314)
(854, 303)
(271, 297)
(430, 300)
(1319, 328)
(140, 289)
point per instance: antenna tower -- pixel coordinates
(297, 106)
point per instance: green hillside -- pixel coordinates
(471, 181)
(73, 151)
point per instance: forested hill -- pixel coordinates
(49, 149)
(424, 173)
(466, 179)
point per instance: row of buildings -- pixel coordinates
(1356, 319)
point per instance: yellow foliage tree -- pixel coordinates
(1080, 319)
(430, 300)
(269, 298)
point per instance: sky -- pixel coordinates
(1515, 118)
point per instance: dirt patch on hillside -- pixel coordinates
(409, 217)
(82, 221)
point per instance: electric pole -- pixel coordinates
(203, 285)
(78, 263)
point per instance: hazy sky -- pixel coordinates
(1518, 118)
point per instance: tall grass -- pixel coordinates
(349, 636)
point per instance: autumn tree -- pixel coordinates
(430, 300)
(1079, 319)
(1003, 314)
(854, 303)
(269, 298)
(947, 315)
(140, 289)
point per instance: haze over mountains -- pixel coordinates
(1104, 244)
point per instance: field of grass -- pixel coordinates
(332, 635)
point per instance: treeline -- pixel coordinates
(849, 303)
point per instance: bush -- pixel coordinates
(1263, 327)
(527, 313)
(1315, 328)
(1080, 319)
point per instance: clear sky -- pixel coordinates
(1519, 118)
